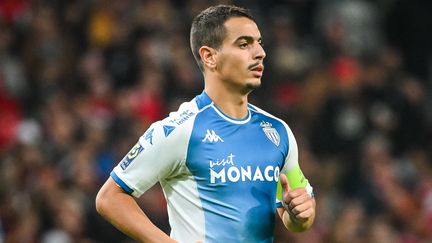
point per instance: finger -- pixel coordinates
(298, 209)
(285, 191)
(299, 199)
(305, 215)
(284, 183)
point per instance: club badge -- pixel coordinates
(271, 132)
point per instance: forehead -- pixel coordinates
(241, 26)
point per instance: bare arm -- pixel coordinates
(121, 210)
(298, 213)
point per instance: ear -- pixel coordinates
(208, 56)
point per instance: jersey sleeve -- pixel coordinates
(158, 155)
(292, 170)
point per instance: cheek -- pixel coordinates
(233, 65)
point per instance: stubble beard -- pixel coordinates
(247, 87)
(251, 86)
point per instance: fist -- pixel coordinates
(297, 202)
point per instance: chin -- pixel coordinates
(251, 87)
(253, 84)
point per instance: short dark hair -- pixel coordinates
(208, 27)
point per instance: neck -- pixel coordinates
(231, 102)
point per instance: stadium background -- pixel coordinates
(81, 80)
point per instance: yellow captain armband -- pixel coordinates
(310, 191)
(296, 179)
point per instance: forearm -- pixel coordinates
(121, 210)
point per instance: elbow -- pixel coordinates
(105, 198)
(101, 202)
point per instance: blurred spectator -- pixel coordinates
(81, 80)
(408, 29)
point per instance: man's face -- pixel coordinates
(239, 61)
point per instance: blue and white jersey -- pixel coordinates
(219, 174)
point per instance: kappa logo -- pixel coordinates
(271, 132)
(212, 137)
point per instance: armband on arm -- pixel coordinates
(310, 191)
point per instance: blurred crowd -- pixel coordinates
(81, 80)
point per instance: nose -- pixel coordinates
(259, 52)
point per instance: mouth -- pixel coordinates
(257, 70)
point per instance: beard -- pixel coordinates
(244, 87)
(251, 86)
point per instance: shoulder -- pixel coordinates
(177, 125)
(188, 111)
(276, 120)
(185, 113)
(275, 129)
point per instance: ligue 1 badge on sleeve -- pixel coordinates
(271, 132)
(133, 153)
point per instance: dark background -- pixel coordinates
(81, 80)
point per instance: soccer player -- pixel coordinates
(218, 158)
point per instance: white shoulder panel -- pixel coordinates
(292, 157)
(160, 152)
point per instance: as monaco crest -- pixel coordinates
(270, 132)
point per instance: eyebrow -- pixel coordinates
(247, 38)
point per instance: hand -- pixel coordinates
(297, 202)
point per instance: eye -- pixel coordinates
(243, 45)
